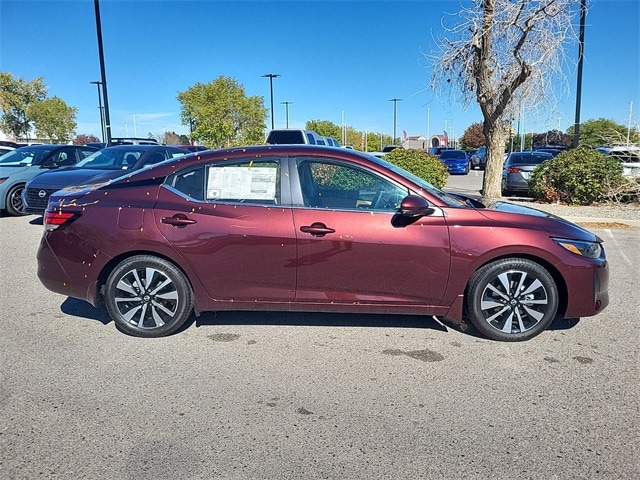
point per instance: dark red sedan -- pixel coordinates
(306, 228)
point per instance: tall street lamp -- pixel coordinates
(395, 110)
(286, 111)
(98, 84)
(107, 121)
(576, 128)
(271, 77)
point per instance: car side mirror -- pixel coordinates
(413, 206)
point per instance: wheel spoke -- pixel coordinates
(160, 287)
(498, 292)
(149, 274)
(156, 316)
(534, 313)
(143, 314)
(520, 322)
(533, 287)
(128, 315)
(160, 306)
(508, 324)
(125, 286)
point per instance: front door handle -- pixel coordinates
(178, 220)
(317, 229)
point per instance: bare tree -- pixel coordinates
(504, 54)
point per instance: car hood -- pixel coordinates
(6, 170)
(519, 215)
(74, 177)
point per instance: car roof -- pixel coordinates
(51, 146)
(143, 147)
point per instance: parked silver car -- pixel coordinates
(479, 158)
(517, 169)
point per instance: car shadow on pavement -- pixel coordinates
(227, 318)
(82, 309)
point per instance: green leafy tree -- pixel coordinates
(53, 119)
(324, 128)
(602, 131)
(16, 96)
(421, 164)
(220, 114)
(473, 136)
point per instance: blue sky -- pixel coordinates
(337, 60)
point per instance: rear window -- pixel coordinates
(452, 154)
(276, 137)
(534, 159)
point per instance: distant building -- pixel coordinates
(439, 141)
(417, 142)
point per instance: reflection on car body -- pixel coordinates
(101, 166)
(20, 165)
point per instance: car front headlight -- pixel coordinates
(2, 180)
(582, 248)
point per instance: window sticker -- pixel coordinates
(242, 183)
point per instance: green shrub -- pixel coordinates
(423, 165)
(580, 176)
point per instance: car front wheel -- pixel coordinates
(147, 296)
(511, 299)
(15, 206)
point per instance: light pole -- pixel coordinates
(271, 77)
(395, 109)
(107, 121)
(97, 84)
(576, 128)
(286, 111)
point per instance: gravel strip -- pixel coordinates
(605, 211)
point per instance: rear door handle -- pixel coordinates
(178, 220)
(317, 229)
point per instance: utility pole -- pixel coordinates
(107, 121)
(271, 77)
(97, 84)
(395, 110)
(576, 128)
(286, 111)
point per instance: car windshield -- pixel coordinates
(454, 154)
(25, 156)
(531, 159)
(112, 159)
(450, 200)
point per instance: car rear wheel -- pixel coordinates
(147, 296)
(15, 206)
(511, 299)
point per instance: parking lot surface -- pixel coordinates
(277, 395)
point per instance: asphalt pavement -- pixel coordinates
(261, 395)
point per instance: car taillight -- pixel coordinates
(513, 170)
(56, 219)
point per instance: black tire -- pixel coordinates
(511, 300)
(147, 296)
(14, 204)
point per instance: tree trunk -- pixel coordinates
(492, 182)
